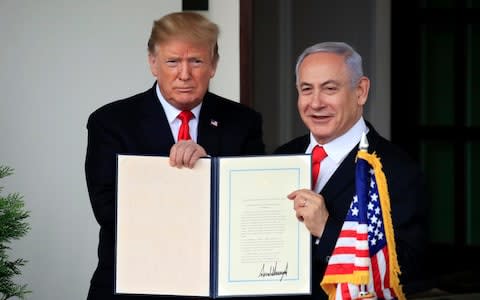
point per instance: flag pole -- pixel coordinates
(363, 142)
(363, 292)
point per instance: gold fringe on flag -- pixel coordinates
(382, 186)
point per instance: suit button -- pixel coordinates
(327, 258)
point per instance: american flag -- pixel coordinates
(364, 264)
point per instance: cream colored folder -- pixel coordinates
(224, 228)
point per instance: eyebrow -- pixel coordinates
(331, 81)
(323, 84)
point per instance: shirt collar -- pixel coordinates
(339, 148)
(172, 112)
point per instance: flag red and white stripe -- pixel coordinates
(364, 264)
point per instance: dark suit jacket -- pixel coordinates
(408, 208)
(138, 125)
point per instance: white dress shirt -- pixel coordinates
(171, 112)
(336, 151)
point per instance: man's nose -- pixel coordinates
(317, 99)
(184, 71)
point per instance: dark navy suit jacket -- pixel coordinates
(408, 208)
(138, 125)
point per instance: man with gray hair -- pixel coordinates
(332, 91)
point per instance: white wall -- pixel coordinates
(226, 13)
(60, 60)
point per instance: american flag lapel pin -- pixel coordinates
(214, 123)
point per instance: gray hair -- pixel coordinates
(353, 60)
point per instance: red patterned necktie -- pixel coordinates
(184, 132)
(318, 154)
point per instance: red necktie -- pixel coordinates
(318, 154)
(184, 132)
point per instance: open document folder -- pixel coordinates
(224, 228)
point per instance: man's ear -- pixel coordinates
(363, 87)
(214, 68)
(152, 61)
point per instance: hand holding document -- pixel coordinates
(224, 228)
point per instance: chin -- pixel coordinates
(321, 136)
(188, 101)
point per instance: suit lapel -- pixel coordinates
(210, 126)
(154, 124)
(340, 188)
(342, 183)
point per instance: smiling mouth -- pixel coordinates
(320, 118)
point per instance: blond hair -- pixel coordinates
(187, 25)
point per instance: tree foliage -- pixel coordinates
(13, 225)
